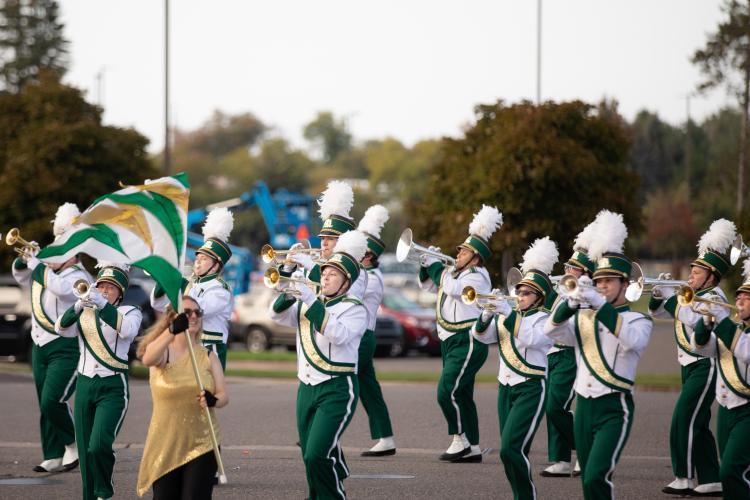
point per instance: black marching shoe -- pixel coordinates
(450, 457)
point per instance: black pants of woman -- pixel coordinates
(192, 481)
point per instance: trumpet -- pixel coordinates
(638, 284)
(272, 277)
(269, 255)
(568, 286)
(469, 296)
(13, 237)
(82, 289)
(739, 249)
(408, 250)
(686, 296)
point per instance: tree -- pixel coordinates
(54, 149)
(725, 60)
(657, 154)
(329, 135)
(31, 40)
(549, 169)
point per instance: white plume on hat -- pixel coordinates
(373, 221)
(609, 233)
(338, 199)
(541, 255)
(718, 238)
(219, 224)
(64, 218)
(584, 238)
(486, 222)
(101, 264)
(353, 243)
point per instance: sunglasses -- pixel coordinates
(524, 293)
(197, 312)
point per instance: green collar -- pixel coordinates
(334, 300)
(369, 268)
(623, 308)
(208, 277)
(703, 291)
(529, 312)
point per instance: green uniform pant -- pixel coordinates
(54, 367)
(562, 375)
(370, 394)
(691, 442)
(733, 431)
(101, 403)
(462, 358)
(520, 409)
(323, 413)
(221, 352)
(602, 426)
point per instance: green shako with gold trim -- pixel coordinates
(537, 264)
(606, 248)
(745, 286)
(714, 247)
(216, 230)
(347, 254)
(580, 258)
(482, 227)
(371, 225)
(114, 273)
(335, 203)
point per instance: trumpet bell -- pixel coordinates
(512, 280)
(468, 295)
(403, 248)
(81, 289)
(267, 253)
(739, 250)
(634, 291)
(406, 249)
(271, 277)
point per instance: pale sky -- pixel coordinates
(410, 69)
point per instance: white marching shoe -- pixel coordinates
(707, 490)
(558, 469)
(458, 448)
(680, 486)
(577, 469)
(70, 457)
(384, 447)
(51, 465)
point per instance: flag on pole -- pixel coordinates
(144, 226)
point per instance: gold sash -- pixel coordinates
(447, 325)
(36, 307)
(93, 338)
(509, 352)
(588, 338)
(311, 351)
(679, 334)
(729, 371)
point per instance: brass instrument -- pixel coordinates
(408, 250)
(81, 289)
(272, 277)
(469, 296)
(269, 255)
(686, 296)
(26, 247)
(569, 286)
(638, 284)
(739, 250)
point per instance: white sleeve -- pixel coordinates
(708, 349)
(454, 287)
(68, 332)
(62, 286)
(742, 348)
(534, 336)
(131, 322)
(562, 333)
(360, 285)
(489, 335)
(214, 300)
(345, 327)
(635, 333)
(373, 296)
(287, 317)
(159, 303)
(22, 276)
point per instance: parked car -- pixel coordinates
(15, 320)
(418, 322)
(403, 276)
(253, 327)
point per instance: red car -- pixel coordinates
(417, 321)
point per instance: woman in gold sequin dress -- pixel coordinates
(178, 459)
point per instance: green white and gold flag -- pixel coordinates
(144, 226)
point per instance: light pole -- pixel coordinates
(538, 52)
(167, 156)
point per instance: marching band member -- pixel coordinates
(561, 360)
(335, 203)
(523, 348)
(729, 344)
(462, 356)
(206, 285)
(178, 459)
(329, 327)
(53, 358)
(105, 330)
(691, 442)
(370, 393)
(609, 339)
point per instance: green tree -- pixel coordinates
(31, 40)
(54, 149)
(725, 60)
(549, 169)
(330, 135)
(658, 152)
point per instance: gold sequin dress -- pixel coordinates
(179, 431)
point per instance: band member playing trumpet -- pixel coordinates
(561, 360)
(370, 393)
(523, 348)
(53, 358)
(206, 285)
(105, 330)
(609, 339)
(330, 327)
(691, 442)
(462, 355)
(729, 344)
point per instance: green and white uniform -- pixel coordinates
(462, 355)
(53, 359)
(729, 345)
(328, 337)
(608, 343)
(215, 299)
(691, 442)
(522, 347)
(102, 391)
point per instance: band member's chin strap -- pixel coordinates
(338, 291)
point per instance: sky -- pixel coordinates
(409, 69)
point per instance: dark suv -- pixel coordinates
(15, 320)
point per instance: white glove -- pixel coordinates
(487, 315)
(664, 276)
(585, 281)
(32, 262)
(303, 260)
(79, 305)
(96, 298)
(500, 306)
(718, 312)
(592, 297)
(663, 292)
(573, 303)
(306, 294)
(428, 260)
